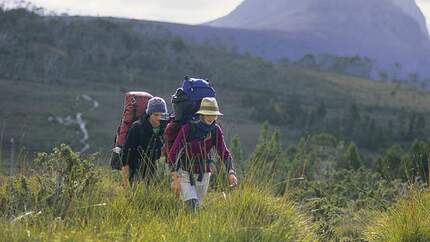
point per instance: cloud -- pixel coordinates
(425, 9)
(181, 11)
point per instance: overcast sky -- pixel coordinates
(425, 8)
(179, 11)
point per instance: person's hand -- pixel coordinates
(125, 182)
(232, 179)
(175, 186)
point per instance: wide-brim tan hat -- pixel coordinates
(209, 106)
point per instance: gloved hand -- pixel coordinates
(232, 179)
(117, 150)
(175, 186)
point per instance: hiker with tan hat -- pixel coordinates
(189, 158)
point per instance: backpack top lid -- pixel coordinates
(138, 93)
(133, 97)
(196, 89)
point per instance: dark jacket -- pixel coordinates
(142, 146)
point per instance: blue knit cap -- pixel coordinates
(156, 105)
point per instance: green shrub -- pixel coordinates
(340, 203)
(60, 181)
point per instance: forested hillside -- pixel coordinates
(50, 63)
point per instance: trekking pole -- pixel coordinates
(12, 155)
(1, 145)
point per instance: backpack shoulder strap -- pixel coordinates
(134, 108)
(191, 131)
(214, 136)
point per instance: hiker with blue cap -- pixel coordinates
(143, 143)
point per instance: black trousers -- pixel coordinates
(146, 171)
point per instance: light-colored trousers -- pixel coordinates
(197, 191)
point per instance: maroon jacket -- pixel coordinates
(198, 150)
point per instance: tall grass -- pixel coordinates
(408, 220)
(101, 209)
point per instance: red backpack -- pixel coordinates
(169, 135)
(135, 104)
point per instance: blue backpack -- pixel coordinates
(197, 89)
(186, 101)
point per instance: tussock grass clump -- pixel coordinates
(105, 211)
(408, 220)
(152, 213)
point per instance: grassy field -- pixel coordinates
(152, 214)
(91, 205)
(65, 197)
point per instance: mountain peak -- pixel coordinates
(317, 15)
(386, 31)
